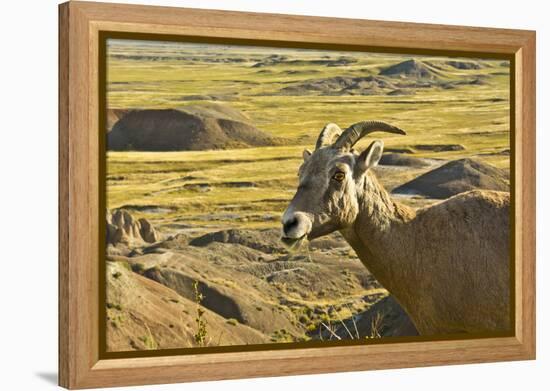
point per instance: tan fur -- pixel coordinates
(448, 265)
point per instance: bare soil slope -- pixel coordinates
(248, 282)
(143, 314)
(456, 177)
(211, 126)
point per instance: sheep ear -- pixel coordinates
(370, 157)
(306, 154)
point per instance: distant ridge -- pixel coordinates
(411, 68)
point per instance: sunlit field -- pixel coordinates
(192, 187)
(194, 256)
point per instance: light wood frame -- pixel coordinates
(79, 26)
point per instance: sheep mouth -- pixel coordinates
(294, 243)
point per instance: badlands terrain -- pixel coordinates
(204, 143)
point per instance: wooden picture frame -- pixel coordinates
(80, 27)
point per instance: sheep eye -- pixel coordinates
(339, 176)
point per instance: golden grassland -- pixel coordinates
(251, 187)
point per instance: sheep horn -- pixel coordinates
(356, 131)
(329, 132)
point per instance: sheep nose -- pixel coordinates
(296, 225)
(289, 225)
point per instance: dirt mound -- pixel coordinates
(113, 115)
(464, 64)
(173, 242)
(267, 241)
(503, 152)
(400, 92)
(397, 159)
(216, 110)
(123, 228)
(340, 85)
(399, 150)
(283, 60)
(439, 147)
(226, 293)
(248, 279)
(300, 72)
(215, 298)
(410, 68)
(477, 81)
(213, 97)
(210, 126)
(457, 177)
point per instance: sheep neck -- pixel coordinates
(381, 237)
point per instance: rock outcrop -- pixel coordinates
(123, 228)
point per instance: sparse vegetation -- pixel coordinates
(376, 326)
(186, 194)
(148, 340)
(201, 332)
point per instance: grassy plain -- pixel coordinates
(250, 187)
(256, 292)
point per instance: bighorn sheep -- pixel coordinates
(447, 265)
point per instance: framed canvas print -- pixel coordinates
(248, 195)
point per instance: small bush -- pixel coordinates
(232, 321)
(311, 327)
(200, 335)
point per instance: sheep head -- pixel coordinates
(330, 180)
